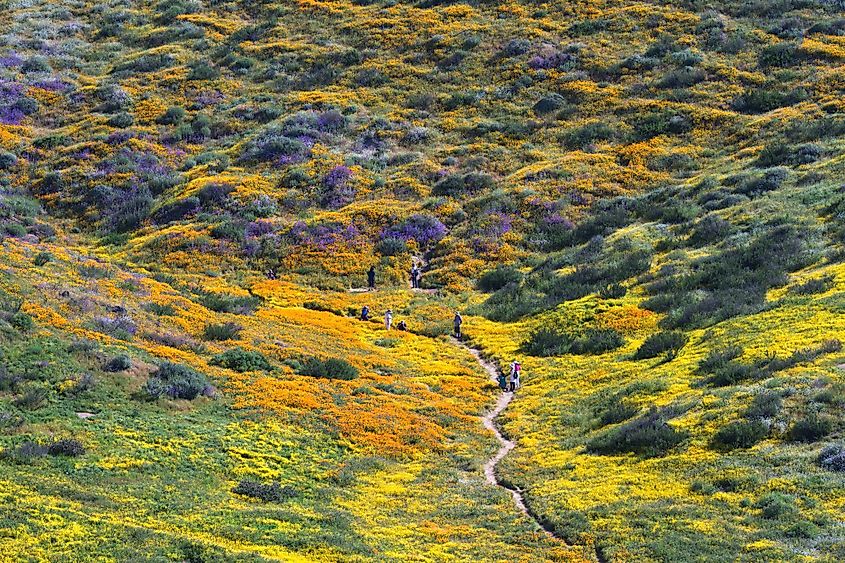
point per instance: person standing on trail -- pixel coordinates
(415, 277)
(365, 313)
(371, 277)
(503, 381)
(388, 319)
(458, 321)
(516, 369)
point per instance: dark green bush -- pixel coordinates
(812, 428)
(223, 303)
(160, 309)
(588, 134)
(764, 405)
(22, 321)
(241, 360)
(272, 492)
(498, 278)
(658, 343)
(221, 331)
(118, 363)
(813, 286)
(778, 55)
(42, 258)
(332, 368)
(392, 247)
(67, 447)
(121, 120)
(739, 435)
(618, 411)
(775, 505)
(649, 436)
(177, 381)
(719, 358)
(546, 342)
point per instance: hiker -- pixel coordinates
(503, 381)
(371, 277)
(365, 313)
(459, 320)
(516, 369)
(388, 319)
(402, 325)
(415, 277)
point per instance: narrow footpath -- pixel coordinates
(489, 421)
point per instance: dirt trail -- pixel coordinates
(489, 421)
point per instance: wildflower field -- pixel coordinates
(642, 202)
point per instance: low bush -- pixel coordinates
(739, 435)
(271, 492)
(222, 331)
(42, 258)
(118, 363)
(241, 360)
(177, 381)
(546, 342)
(764, 405)
(498, 278)
(719, 358)
(160, 309)
(332, 368)
(649, 436)
(67, 447)
(618, 411)
(832, 458)
(659, 343)
(223, 303)
(812, 428)
(392, 247)
(775, 505)
(120, 327)
(813, 286)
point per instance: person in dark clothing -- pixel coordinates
(365, 313)
(403, 326)
(458, 321)
(371, 277)
(415, 277)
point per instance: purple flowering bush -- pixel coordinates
(424, 229)
(336, 188)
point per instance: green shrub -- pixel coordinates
(177, 381)
(588, 134)
(42, 258)
(719, 358)
(121, 120)
(223, 303)
(618, 411)
(812, 428)
(733, 373)
(764, 405)
(118, 363)
(498, 278)
(813, 286)
(67, 447)
(272, 492)
(545, 342)
(392, 247)
(332, 368)
(222, 331)
(658, 343)
(739, 435)
(241, 360)
(775, 505)
(778, 55)
(22, 321)
(160, 309)
(649, 436)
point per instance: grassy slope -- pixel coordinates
(648, 101)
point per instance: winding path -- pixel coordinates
(489, 421)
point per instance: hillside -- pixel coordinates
(640, 201)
